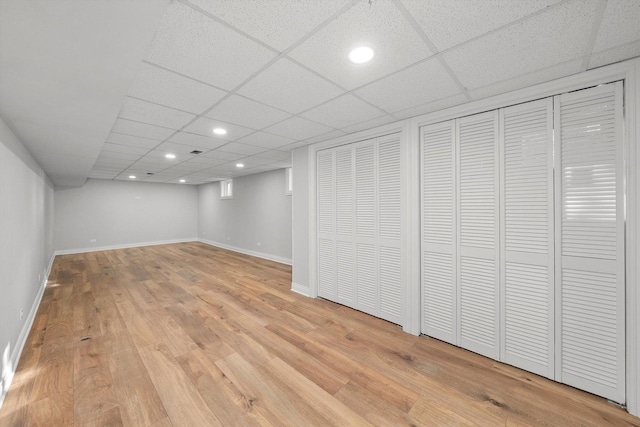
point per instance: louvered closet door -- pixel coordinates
(478, 195)
(345, 230)
(439, 281)
(326, 224)
(389, 214)
(366, 250)
(527, 274)
(590, 241)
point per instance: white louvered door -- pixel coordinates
(344, 231)
(389, 221)
(359, 226)
(527, 274)
(523, 237)
(326, 224)
(590, 290)
(478, 242)
(439, 278)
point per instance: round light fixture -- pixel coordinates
(220, 131)
(132, 177)
(239, 165)
(361, 54)
(183, 180)
(170, 156)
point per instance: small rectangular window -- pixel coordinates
(288, 189)
(226, 189)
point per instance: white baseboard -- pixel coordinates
(124, 246)
(24, 333)
(300, 289)
(263, 255)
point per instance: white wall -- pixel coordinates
(26, 245)
(300, 223)
(122, 214)
(256, 221)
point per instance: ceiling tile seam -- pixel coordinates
(525, 74)
(631, 43)
(263, 68)
(127, 134)
(226, 24)
(177, 73)
(507, 25)
(418, 29)
(595, 29)
(160, 105)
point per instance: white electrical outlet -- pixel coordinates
(228, 238)
(21, 313)
(92, 240)
(259, 244)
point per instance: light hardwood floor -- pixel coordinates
(192, 335)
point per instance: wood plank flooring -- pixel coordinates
(192, 335)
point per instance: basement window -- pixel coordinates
(288, 180)
(226, 189)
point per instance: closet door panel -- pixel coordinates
(326, 225)
(528, 242)
(590, 222)
(478, 233)
(345, 229)
(389, 216)
(439, 278)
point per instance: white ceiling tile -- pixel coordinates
(266, 140)
(124, 149)
(276, 23)
(370, 124)
(553, 37)
(110, 155)
(620, 24)
(323, 137)
(99, 175)
(342, 112)
(132, 141)
(448, 23)
(146, 112)
(378, 24)
(205, 126)
(195, 45)
(246, 112)
(178, 149)
(206, 161)
(237, 148)
(158, 157)
(619, 53)
(201, 141)
(173, 90)
(221, 155)
(417, 85)
(546, 74)
(252, 161)
(145, 167)
(289, 87)
(143, 130)
(430, 107)
(298, 128)
(275, 155)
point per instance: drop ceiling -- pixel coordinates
(104, 89)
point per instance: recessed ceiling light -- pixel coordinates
(132, 177)
(240, 165)
(361, 54)
(170, 156)
(183, 180)
(219, 131)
